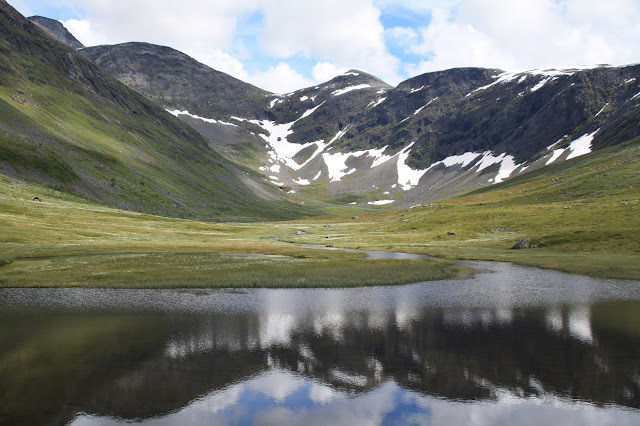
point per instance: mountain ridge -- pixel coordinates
(355, 136)
(57, 30)
(66, 123)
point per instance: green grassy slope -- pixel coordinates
(65, 123)
(584, 216)
(63, 241)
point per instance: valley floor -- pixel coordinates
(582, 215)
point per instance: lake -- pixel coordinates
(516, 345)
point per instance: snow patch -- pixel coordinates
(549, 73)
(304, 98)
(507, 163)
(378, 156)
(635, 96)
(302, 181)
(351, 73)
(423, 107)
(206, 120)
(336, 164)
(559, 140)
(488, 159)
(605, 105)
(381, 202)
(556, 154)
(376, 103)
(317, 176)
(631, 80)
(275, 169)
(578, 147)
(274, 102)
(540, 84)
(407, 177)
(282, 150)
(310, 111)
(349, 89)
(464, 159)
(582, 145)
(416, 90)
(506, 168)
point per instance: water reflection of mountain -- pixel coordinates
(152, 364)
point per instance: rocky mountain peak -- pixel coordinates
(57, 30)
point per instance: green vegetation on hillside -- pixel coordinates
(581, 214)
(62, 241)
(584, 216)
(66, 123)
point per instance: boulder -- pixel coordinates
(522, 243)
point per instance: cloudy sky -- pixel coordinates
(283, 45)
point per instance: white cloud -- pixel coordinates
(81, 29)
(343, 35)
(347, 34)
(530, 34)
(324, 71)
(221, 61)
(21, 7)
(280, 79)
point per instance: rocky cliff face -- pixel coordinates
(57, 30)
(179, 81)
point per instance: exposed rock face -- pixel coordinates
(522, 243)
(179, 81)
(56, 29)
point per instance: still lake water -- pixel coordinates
(518, 345)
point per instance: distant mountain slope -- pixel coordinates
(431, 136)
(58, 30)
(178, 80)
(66, 123)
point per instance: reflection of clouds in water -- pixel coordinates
(405, 313)
(348, 378)
(576, 319)
(322, 394)
(512, 409)
(276, 328)
(389, 403)
(554, 320)
(469, 318)
(579, 323)
(277, 384)
(331, 323)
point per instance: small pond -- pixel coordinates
(517, 345)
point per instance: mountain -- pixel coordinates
(58, 30)
(65, 123)
(363, 141)
(357, 140)
(178, 80)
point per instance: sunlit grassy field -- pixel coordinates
(582, 215)
(61, 241)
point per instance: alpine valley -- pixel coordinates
(458, 163)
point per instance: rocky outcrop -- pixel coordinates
(522, 243)
(57, 30)
(179, 81)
